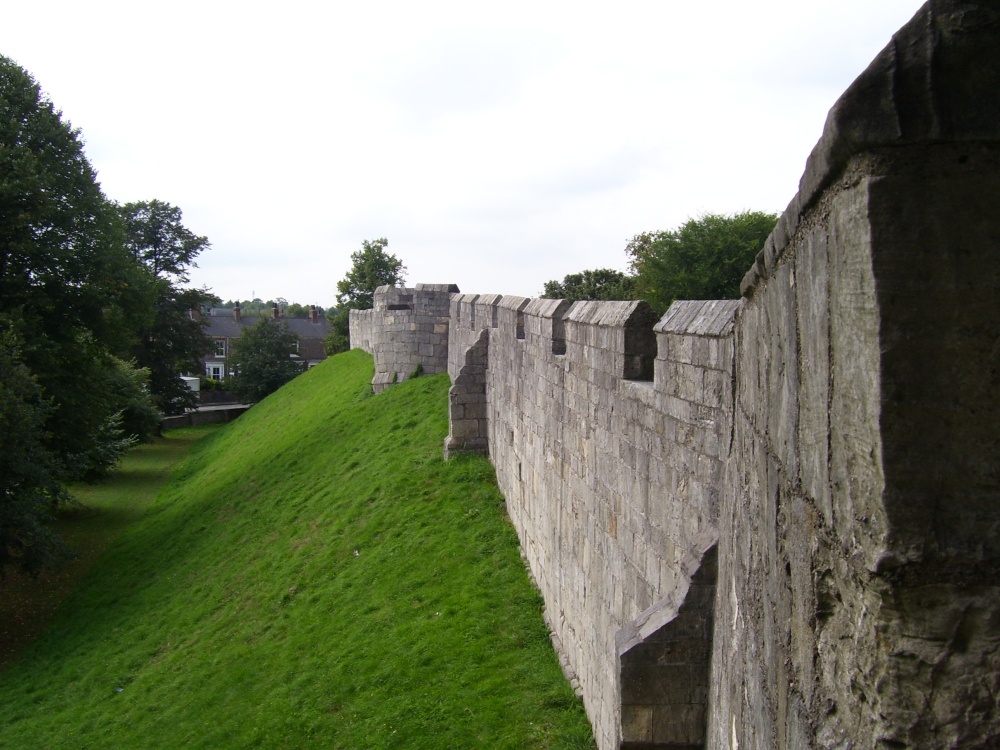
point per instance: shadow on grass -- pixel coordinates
(29, 603)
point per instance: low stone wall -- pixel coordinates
(216, 398)
(209, 416)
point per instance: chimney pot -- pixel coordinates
(236, 312)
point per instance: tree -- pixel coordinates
(29, 471)
(371, 268)
(171, 341)
(706, 258)
(139, 417)
(69, 290)
(262, 360)
(601, 284)
(291, 309)
(157, 238)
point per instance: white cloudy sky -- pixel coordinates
(495, 145)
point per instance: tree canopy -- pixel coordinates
(157, 238)
(29, 471)
(262, 360)
(600, 283)
(256, 307)
(705, 258)
(72, 300)
(69, 290)
(371, 267)
(170, 341)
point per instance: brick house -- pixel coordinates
(225, 325)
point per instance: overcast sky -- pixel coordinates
(496, 145)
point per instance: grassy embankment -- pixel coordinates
(314, 575)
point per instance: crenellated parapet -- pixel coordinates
(608, 430)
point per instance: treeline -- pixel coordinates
(705, 258)
(257, 307)
(94, 320)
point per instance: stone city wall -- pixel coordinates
(775, 522)
(607, 431)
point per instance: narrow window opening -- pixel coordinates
(640, 353)
(558, 336)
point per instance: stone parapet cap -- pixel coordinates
(547, 308)
(387, 288)
(618, 314)
(713, 317)
(489, 299)
(510, 302)
(438, 288)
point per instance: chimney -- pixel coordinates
(236, 312)
(274, 310)
(313, 317)
(194, 313)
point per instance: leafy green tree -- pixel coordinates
(140, 419)
(69, 290)
(157, 238)
(339, 338)
(262, 360)
(705, 258)
(29, 471)
(171, 341)
(251, 308)
(371, 268)
(601, 284)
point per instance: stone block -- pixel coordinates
(679, 726)
(814, 367)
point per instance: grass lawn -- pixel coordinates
(314, 575)
(28, 604)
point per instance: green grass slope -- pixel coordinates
(314, 575)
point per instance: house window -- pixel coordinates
(220, 347)
(214, 370)
(295, 347)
